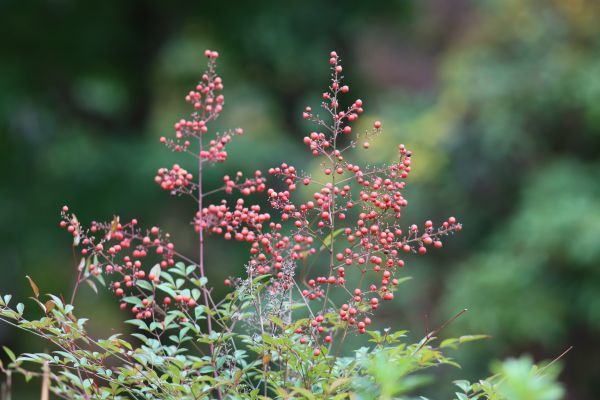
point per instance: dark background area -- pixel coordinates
(499, 101)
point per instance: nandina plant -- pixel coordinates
(329, 250)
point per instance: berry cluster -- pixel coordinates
(175, 180)
(216, 149)
(242, 223)
(208, 105)
(363, 205)
(122, 253)
(247, 186)
(345, 237)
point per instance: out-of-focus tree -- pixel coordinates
(519, 108)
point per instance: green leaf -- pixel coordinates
(139, 323)
(402, 280)
(144, 285)
(451, 342)
(330, 237)
(464, 385)
(195, 294)
(155, 326)
(190, 269)
(131, 300)
(10, 354)
(454, 342)
(167, 289)
(472, 338)
(167, 277)
(57, 301)
(92, 285)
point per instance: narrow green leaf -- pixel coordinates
(92, 285)
(144, 285)
(167, 289)
(471, 338)
(10, 354)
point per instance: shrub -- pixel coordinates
(318, 269)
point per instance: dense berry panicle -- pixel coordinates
(176, 180)
(348, 231)
(123, 252)
(360, 206)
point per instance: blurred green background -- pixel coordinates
(498, 99)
